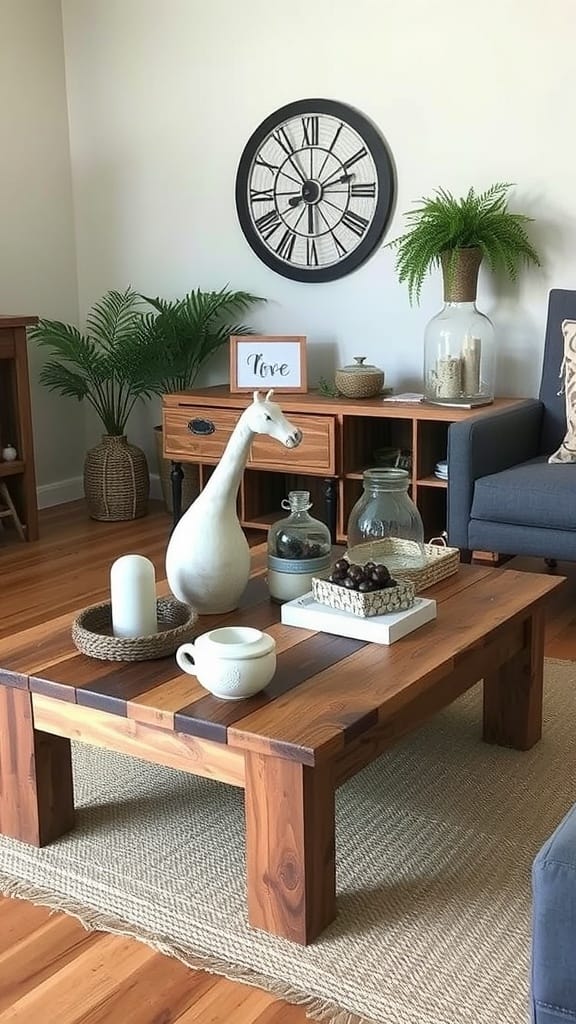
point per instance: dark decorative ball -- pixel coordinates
(289, 547)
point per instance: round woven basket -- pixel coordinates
(92, 632)
(359, 381)
(116, 480)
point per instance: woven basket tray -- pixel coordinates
(92, 633)
(403, 558)
(376, 602)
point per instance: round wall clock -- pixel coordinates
(314, 190)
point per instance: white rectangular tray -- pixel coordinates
(306, 613)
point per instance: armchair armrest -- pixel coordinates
(484, 445)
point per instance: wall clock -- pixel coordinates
(314, 190)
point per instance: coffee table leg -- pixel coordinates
(290, 859)
(513, 692)
(36, 794)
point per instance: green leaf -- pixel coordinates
(441, 223)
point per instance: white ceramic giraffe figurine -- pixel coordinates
(208, 558)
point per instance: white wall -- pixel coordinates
(37, 253)
(162, 98)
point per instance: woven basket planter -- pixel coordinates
(116, 480)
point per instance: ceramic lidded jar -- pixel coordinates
(299, 547)
(9, 453)
(360, 380)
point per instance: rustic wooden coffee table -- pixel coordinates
(334, 705)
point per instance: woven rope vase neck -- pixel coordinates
(460, 268)
(116, 480)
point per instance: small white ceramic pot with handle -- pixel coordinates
(233, 662)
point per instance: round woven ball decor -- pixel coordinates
(92, 632)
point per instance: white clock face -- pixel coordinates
(314, 190)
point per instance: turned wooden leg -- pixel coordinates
(36, 795)
(331, 505)
(176, 478)
(513, 693)
(290, 859)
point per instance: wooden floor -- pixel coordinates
(50, 968)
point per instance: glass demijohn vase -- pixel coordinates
(459, 351)
(299, 548)
(386, 510)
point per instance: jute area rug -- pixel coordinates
(434, 848)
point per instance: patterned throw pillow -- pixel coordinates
(567, 450)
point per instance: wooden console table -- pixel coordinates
(16, 423)
(341, 436)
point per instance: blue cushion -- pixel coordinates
(535, 493)
(554, 927)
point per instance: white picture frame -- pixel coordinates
(263, 361)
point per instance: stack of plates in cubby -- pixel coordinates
(441, 470)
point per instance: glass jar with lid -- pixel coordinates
(385, 509)
(299, 548)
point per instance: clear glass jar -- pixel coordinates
(459, 356)
(299, 547)
(385, 509)
(459, 349)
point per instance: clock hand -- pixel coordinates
(341, 181)
(295, 200)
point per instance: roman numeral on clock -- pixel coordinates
(286, 245)
(355, 222)
(368, 190)
(283, 140)
(310, 131)
(264, 163)
(268, 223)
(265, 195)
(341, 249)
(311, 253)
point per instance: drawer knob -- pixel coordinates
(200, 426)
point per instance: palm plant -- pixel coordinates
(441, 225)
(110, 366)
(185, 332)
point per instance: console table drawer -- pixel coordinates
(315, 454)
(199, 434)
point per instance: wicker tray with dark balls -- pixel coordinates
(92, 633)
(363, 590)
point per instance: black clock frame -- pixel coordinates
(386, 188)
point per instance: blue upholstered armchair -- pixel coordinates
(503, 494)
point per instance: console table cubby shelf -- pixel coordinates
(340, 437)
(16, 423)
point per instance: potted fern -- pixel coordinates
(186, 333)
(110, 366)
(456, 235)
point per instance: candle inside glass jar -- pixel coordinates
(133, 593)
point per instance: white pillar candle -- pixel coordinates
(133, 592)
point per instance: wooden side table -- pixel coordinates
(19, 476)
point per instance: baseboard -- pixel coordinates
(63, 491)
(60, 492)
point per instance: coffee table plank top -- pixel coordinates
(327, 690)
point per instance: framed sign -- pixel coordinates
(267, 361)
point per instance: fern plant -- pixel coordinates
(110, 365)
(442, 224)
(185, 332)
